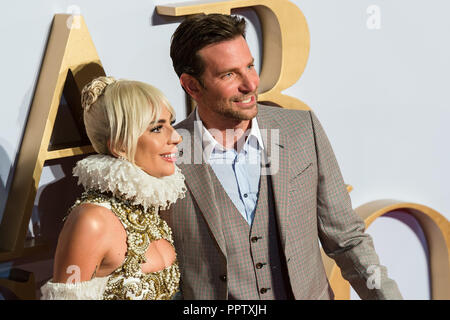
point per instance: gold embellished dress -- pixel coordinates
(135, 198)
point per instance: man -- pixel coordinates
(263, 184)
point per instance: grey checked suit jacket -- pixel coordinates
(312, 203)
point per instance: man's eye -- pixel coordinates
(227, 75)
(156, 129)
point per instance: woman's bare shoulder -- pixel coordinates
(84, 240)
(89, 217)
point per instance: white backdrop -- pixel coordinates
(377, 82)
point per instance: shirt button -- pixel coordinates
(245, 195)
(223, 278)
(263, 290)
(259, 265)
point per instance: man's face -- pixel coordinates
(230, 81)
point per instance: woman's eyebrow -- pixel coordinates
(159, 121)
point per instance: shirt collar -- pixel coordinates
(210, 144)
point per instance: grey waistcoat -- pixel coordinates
(255, 262)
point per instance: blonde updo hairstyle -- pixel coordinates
(117, 113)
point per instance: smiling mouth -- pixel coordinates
(245, 101)
(171, 157)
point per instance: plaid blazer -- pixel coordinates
(311, 202)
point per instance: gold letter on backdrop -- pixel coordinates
(285, 42)
(70, 53)
(436, 229)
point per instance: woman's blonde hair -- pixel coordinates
(117, 113)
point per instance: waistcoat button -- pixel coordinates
(254, 239)
(259, 265)
(263, 290)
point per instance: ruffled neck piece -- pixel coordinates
(127, 181)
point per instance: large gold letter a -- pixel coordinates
(70, 53)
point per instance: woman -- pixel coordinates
(113, 244)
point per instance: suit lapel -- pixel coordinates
(199, 180)
(276, 144)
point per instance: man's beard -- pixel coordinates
(238, 115)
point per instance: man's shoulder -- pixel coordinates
(285, 117)
(186, 123)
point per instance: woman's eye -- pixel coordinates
(156, 129)
(251, 66)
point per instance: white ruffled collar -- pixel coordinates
(126, 180)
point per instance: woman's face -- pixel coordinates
(156, 148)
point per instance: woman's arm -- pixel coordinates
(82, 244)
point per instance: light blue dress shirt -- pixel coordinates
(238, 171)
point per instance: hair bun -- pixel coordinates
(93, 90)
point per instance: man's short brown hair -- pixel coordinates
(197, 32)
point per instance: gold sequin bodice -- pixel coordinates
(142, 227)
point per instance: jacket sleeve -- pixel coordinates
(341, 230)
